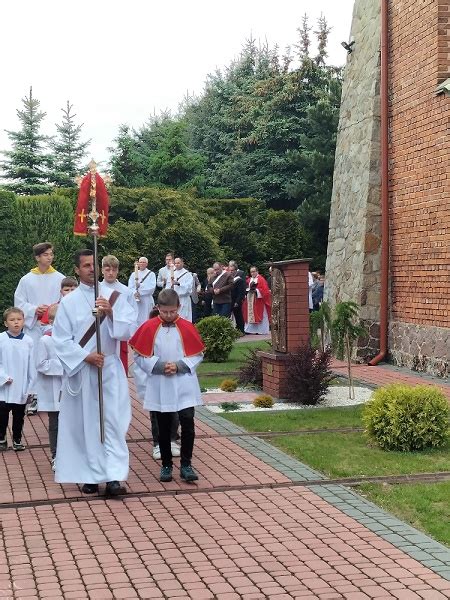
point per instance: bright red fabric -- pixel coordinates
(102, 204)
(143, 340)
(260, 303)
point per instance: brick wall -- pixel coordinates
(419, 162)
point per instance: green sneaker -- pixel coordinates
(165, 474)
(188, 474)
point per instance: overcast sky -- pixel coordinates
(119, 62)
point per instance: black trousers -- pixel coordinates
(18, 416)
(186, 417)
(155, 428)
(239, 317)
(53, 417)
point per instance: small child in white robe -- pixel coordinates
(168, 350)
(17, 376)
(49, 382)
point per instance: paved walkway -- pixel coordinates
(253, 527)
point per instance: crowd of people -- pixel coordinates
(50, 360)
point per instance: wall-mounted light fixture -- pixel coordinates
(348, 47)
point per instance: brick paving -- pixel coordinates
(246, 530)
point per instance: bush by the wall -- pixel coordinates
(219, 335)
(407, 418)
(263, 401)
(309, 375)
(229, 385)
(250, 373)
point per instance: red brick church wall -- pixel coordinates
(419, 59)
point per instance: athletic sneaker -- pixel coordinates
(175, 449)
(18, 446)
(188, 474)
(53, 463)
(31, 408)
(3, 445)
(156, 452)
(165, 474)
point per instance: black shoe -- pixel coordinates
(3, 445)
(187, 473)
(165, 474)
(89, 488)
(113, 488)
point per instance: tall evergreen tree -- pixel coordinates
(68, 150)
(26, 165)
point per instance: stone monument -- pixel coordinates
(290, 322)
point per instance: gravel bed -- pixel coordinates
(336, 396)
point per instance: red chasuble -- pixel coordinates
(253, 307)
(143, 341)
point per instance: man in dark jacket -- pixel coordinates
(237, 294)
(221, 286)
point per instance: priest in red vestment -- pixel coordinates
(257, 304)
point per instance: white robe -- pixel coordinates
(35, 289)
(163, 276)
(184, 291)
(168, 393)
(17, 363)
(146, 290)
(81, 456)
(120, 287)
(49, 375)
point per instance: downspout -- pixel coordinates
(384, 99)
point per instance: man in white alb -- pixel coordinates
(36, 291)
(182, 282)
(81, 456)
(143, 283)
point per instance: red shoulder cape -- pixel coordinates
(143, 341)
(259, 303)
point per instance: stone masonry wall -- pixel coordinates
(354, 246)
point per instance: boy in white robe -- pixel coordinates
(49, 382)
(168, 350)
(17, 375)
(143, 289)
(81, 456)
(165, 271)
(36, 291)
(182, 282)
(110, 270)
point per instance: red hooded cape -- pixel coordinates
(143, 341)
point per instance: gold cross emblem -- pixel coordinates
(82, 215)
(102, 216)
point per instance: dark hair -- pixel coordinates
(39, 249)
(154, 312)
(12, 310)
(168, 297)
(69, 282)
(84, 252)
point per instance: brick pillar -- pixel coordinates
(291, 311)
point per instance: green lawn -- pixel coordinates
(213, 381)
(234, 361)
(349, 455)
(291, 420)
(425, 506)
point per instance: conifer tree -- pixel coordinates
(26, 165)
(68, 150)
(322, 40)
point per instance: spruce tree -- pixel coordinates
(26, 165)
(68, 150)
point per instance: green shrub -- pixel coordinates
(229, 406)
(229, 385)
(263, 401)
(407, 418)
(219, 335)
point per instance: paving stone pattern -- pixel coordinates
(245, 531)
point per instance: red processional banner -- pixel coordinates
(81, 223)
